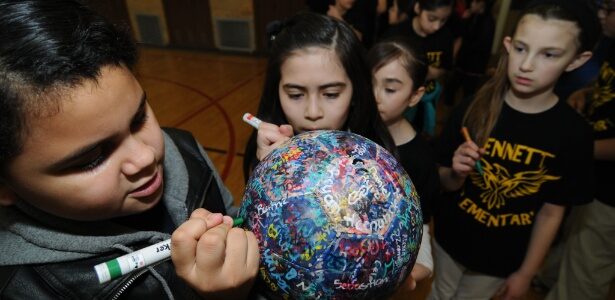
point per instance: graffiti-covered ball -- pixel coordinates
(336, 217)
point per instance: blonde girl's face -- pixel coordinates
(540, 51)
(315, 91)
(394, 91)
(98, 158)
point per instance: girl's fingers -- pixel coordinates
(286, 130)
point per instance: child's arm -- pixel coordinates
(269, 137)
(424, 261)
(434, 73)
(545, 228)
(604, 149)
(216, 260)
(464, 162)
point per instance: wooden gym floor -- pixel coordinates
(208, 93)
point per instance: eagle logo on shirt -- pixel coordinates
(499, 185)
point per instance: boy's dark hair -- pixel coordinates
(47, 46)
(306, 30)
(582, 12)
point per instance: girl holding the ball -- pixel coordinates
(317, 78)
(528, 155)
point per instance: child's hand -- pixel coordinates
(334, 13)
(269, 137)
(515, 287)
(577, 100)
(218, 261)
(420, 272)
(465, 157)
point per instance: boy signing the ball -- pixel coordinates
(86, 173)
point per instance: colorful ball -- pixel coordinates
(336, 217)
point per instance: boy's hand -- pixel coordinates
(218, 261)
(515, 287)
(465, 157)
(269, 137)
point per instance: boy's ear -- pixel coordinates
(579, 60)
(416, 96)
(417, 8)
(7, 196)
(507, 42)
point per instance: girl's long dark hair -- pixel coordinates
(313, 30)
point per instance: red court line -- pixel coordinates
(215, 101)
(231, 128)
(232, 143)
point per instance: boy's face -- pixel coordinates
(540, 51)
(99, 157)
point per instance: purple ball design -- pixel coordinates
(336, 217)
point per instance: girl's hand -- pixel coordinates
(271, 136)
(515, 287)
(419, 272)
(465, 157)
(216, 260)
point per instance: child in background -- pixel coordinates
(426, 30)
(477, 28)
(86, 173)
(317, 78)
(390, 13)
(399, 75)
(343, 10)
(495, 227)
(588, 263)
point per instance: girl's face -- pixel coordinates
(99, 157)
(606, 15)
(345, 4)
(540, 52)
(315, 91)
(430, 21)
(394, 91)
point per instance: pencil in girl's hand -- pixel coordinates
(466, 136)
(138, 260)
(252, 120)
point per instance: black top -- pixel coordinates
(530, 159)
(438, 47)
(417, 158)
(601, 115)
(477, 38)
